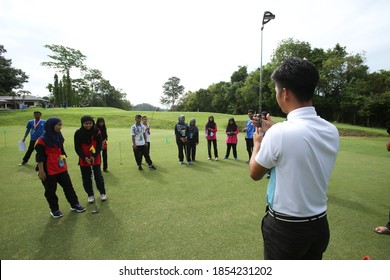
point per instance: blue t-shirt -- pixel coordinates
(36, 129)
(250, 129)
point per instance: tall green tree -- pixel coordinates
(10, 78)
(172, 90)
(65, 59)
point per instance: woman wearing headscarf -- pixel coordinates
(181, 134)
(231, 138)
(88, 144)
(51, 159)
(211, 136)
(101, 124)
(193, 139)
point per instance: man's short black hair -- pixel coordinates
(251, 111)
(37, 112)
(298, 75)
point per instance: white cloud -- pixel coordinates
(138, 45)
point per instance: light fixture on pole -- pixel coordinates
(266, 18)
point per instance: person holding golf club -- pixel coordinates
(231, 138)
(36, 129)
(88, 144)
(301, 154)
(139, 144)
(51, 159)
(181, 135)
(211, 136)
(101, 124)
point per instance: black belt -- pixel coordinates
(291, 219)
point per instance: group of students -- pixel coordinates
(90, 140)
(187, 138)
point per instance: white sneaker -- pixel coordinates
(103, 197)
(216, 158)
(91, 199)
(209, 158)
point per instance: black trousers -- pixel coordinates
(64, 181)
(104, 159)
(228, 147)
(214, 146)
(182, 150)
(294, 240)
(29, 151)
(86, 174)
(191, 149)
(139, 152)
(249, 146)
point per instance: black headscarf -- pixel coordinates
(86, 134)
(51, 137)
(103, 129)
(210, 124)
(231, 127)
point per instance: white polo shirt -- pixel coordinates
(301, 153)
(138, 131)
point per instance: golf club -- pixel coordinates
(187, 155)
(96, 210)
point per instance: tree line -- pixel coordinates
(347, 92)
(92, 89)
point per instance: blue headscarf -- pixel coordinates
(51, 137)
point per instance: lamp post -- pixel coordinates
(266, 18)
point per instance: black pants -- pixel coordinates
(214, 146)
(30, 149)
(249, 146)
(86, 174)
(139, 152)
(293, 240)
(182, 150)
(228, 147)
(104, 158)
(191, 149)
(50, 185)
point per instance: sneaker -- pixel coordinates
(190, 162)
(56, 214)
(180, 162)
(152, 167)
(216, 158)
(225, 157)
(78, 208)
(105, 170)
(22, 163)
(91, 199)
(103, 197)
(209, 158)
(139, 167)
(235, 158)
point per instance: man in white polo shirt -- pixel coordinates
(300, 153)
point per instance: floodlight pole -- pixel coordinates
(266, 18)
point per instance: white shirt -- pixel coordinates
(138, 131)
(301, 153)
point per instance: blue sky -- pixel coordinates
(138, 45)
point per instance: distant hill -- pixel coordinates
(146, 107)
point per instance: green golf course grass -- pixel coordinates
(211, 210)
